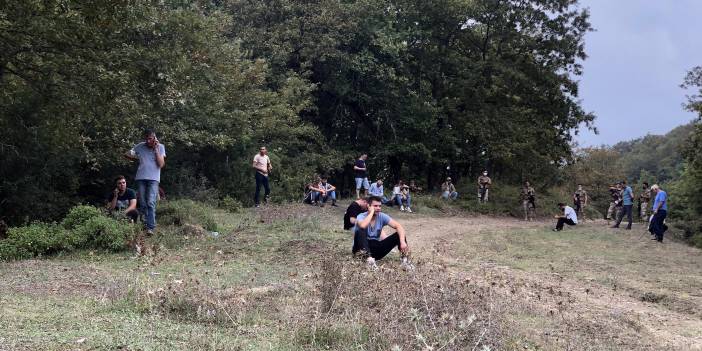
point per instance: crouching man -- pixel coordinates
(367, 235)
(122, 200)
(568, 217)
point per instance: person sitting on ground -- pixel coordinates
(355, 208)
(568, 217)
(405, 190)
(414, 188)
(122, 201)
(660, 211)
(323, 192)
(448, 191)
(376, 189)
(400, 195)
(367, 235)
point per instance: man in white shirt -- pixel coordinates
(262, 166)
(568, 217)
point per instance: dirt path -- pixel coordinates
(583, 307)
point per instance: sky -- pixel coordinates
(638, 56)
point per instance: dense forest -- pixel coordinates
(427, 89)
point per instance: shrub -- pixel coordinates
(230, 204)
(83, 227)
(103, 232)
(79, 215)
(180, 212)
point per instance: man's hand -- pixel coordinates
(116, 192)
(404, 247)
(157, 150)
(371, 210)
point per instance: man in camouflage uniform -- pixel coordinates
(644, 199)
(615, 205)
(484, 183)
(580, 201)
(528, 197)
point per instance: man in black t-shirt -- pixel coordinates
(360, 174)
(357, 207)
(122, 200)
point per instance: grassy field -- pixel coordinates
(281, 278)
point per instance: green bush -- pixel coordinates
(103, 232)
(79, 215)
(180, 212)
(230, 204)
(83, 227)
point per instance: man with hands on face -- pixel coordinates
(122, 200)
(152, 157)
(368, 231)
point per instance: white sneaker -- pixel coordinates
(371, 263)
(406, 264)
(402, 208)
(409, 209)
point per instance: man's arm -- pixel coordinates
(112, 203)
(132, 205)
(332, 188)
(160, 158)
(128, 155)
(364, 223)
(258, 167)
(401, 232)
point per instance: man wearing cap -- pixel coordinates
(484, 183)
(448, 190)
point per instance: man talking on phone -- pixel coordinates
(152, 157)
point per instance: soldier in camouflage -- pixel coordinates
(484, 183)
(528, 197)
(644, 199)
(616, 204)
(580, 201)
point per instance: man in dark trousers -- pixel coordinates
(627, 196)
(367, 235)
(660, 211)
(355, 208)
(568, 217)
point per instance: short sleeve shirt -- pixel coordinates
(261, 161)
(360, 174)
(373, 231)
(661, 197)
(352, 212)
(148, 168)
(628, 196)
(122, 200)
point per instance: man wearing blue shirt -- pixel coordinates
(628, 206)
(152, 157)
(376, 189)
(657, 226)
(367, 235)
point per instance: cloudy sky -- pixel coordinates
(638, 56)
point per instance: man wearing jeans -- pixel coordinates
(262, 165)
(152, 157)
(628, 203)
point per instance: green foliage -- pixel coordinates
(85, 227)
(180, 212)
(78, 215)
(230, 204)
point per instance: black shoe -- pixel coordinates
(614, 226)
(654, 239)
(334, 204)
(628, 228)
